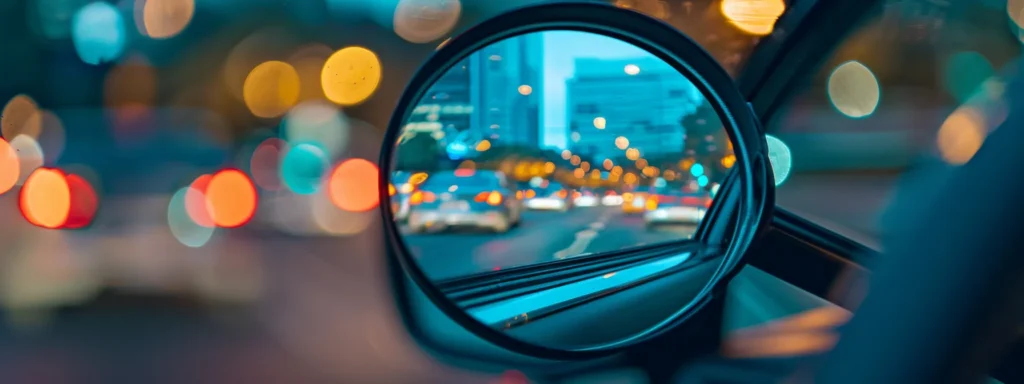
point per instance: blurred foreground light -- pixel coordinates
(51, 138)
(962, 135)
(317, 122)
(30, 156)
(9, 166)
(780, 157)
(98, 33)
(621, 142)
(423, 21)
(19, 118)
(351, 75)
(483, 145)
(271, 89)
(196, 205)
(231, 197)
(354, 185)
(84, 203)
(525, 90)
(162, 19)
(854, 90)
(965, 72)
(303, 168)
(265, 163)
(130, 91)
(756, 17)
(182, 226)
(45, 199)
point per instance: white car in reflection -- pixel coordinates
(585, 198)
(552, 197)
(676, 208)
(611, 199)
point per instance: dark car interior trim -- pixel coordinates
(525, 308)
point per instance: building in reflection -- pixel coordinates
(508, 89)
(641, 99)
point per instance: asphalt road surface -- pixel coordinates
(542, 236)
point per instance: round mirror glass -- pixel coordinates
(551, 148)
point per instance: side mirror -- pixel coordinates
(562, 275)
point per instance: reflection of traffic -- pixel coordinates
(674, 206)
(549, 196)
(464, 198)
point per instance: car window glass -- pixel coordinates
(917, 87)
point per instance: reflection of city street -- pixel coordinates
(542, 236)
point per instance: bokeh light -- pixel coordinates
(961, 135)
(303, 168)
(19, 118)
(196, 205)
(45, 199)
(354, 185)
(780, 157)
(98, 33)
(84, 202)
(9, 166)
(271, 89)
(756, 17)
(621, 142)
(351, 75)
(30, 156)
(423, 21)
(162, 19)
(317, 122)
(184, 229)
(265, 163)
(51, 138)
(965, 72)
(231, 197)
(600, 122)
(854, 90)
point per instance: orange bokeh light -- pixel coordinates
(45, 199)
(231, 198)
(354, 186)
(196, 205)
(10, 167)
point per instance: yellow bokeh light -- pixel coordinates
(271, 89)
(961, 135)
(579, 173)
(600, 122)
(632, 153)
(854, 90)
(729, 161)
(483, 145)
(351, 75)
(755, 17)
(549, 167)
(162, 19)
(621, 142)
(525, 90)
(607, 164)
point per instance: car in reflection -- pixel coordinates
(585, 198)
(634, 203)
(552, 196)
(675, 207)
(611, 199)
(464, 198)
(400, 189)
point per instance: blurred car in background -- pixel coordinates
(464, 198)
(611, 199)
(551, 196)
(673, 206)
(634, 202)
(586, 198)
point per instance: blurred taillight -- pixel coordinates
(562, 193)
(494, 198)
(530, 194)
(519, 195)
(429, 197)
(627, 196)
(416, 198)
(391, 189)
